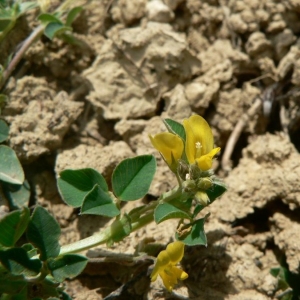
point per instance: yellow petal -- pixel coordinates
(199, 138)
(180, 274)
(175, 251)
(205, 162)
(170, 146)
(168, 280)
(162, 261)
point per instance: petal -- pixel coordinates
(162, 261)
(170, 146)
(190, 149)
(175, 251)
(168, 280)
(205, 162)
(202, 133)
(180, 274)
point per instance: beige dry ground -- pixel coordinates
(142, 61)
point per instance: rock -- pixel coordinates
(128, 11)
(128, 76)
(157, 11)
(263, 175)
(285, 232)
(38, 117)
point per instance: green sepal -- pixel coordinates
(99, 202)
(175, 127)
(17, 262)
(196, 236)
(43, 232)
(67, 266)
(74, 185)
(131, 179)
(12, 226)
(120, 228)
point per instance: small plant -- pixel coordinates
(287, 282)
(55, 23)
(33, 264)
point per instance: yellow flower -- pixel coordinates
(199, 145)
(170, 147)
(165, 265)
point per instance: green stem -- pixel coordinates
(87, 243)
(141, 218)
(7, 29)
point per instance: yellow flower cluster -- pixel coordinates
(198, 147)
(165, 265)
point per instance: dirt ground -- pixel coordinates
(139, 62)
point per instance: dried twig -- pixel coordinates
(21, 51)
(253, 110)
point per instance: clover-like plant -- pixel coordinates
(41, 262)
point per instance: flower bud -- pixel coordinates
(189, 185)
(204, 183)
(202, 198)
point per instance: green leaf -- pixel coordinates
(6, 14)
(73, 13)
(48, 18)
(197, 209)
(25, 6)
(165, 211)
(3, 98)
(53, 29)
(45, 289)
(17, 195)
(217, 189)
(74, 185)
(30, 249)
(65, 296)
(17, 262)
(196, 236)
(11, 285)
(12, 226)
(11, 170)
(99, 202)
(175, 127)
(67, 266)
(43, 232)
(131, 179)
(4, 129)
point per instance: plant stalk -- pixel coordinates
(142, 217)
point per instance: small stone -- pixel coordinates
(157, 11)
